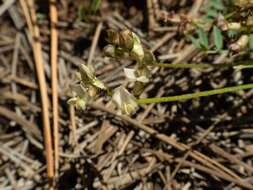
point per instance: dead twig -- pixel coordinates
(54, 55)
(180, 146)
(94, 43)
(27, 125)
(30, 15)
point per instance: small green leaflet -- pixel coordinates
(232, 34)
(217, 4)
(212, 13)
(95, 5)
(218, 38)
(195, 42)
(251, 42)
(203, 38)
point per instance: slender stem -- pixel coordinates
(190, 65)
(243, 67)
(195, 95)
(247, 64)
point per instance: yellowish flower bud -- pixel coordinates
(250, 21)
(113, 37)
(138, 88)
(112, 51)
(244, 3)
(80, 97)
(234, 26)
(92, 91)
(126, 39)
(137, 53)
(78, 102)
(109, 50)
(87, 73)
(241, 43)
(149, 58)
(222, 23)
(89, 78)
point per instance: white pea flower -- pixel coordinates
(124, 100)
(80, 97)
(132, 75)
(89, 78)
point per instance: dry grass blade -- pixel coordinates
(4, 7)
(27, 125)
(214, 165)
(37, 51)
(94, 42)
(206, 132)
(54, 53)
(74, 137)
(48, 143)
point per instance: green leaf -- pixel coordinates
(213, 13)
(95, 5)
(203, 38)
(217, 4)
(233, 34)
(218, 38)
(195, 42)
(81, 13)
(251, 41)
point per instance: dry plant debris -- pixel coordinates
(45, 143)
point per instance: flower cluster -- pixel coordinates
(244, 3)
(124, 44)
(236, 26)
(87, 87)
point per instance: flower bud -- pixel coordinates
(80, 97)
(80, 103)
(109, 50)
(149, 58)
(138, 88)
(112, 51)
(137, 53)
(92, 91)
(143, 70)
(113, 37)
(126, 39)
(89, 78)
(86, 73)
(222, 23)
(240, 44)
(234, 26)
(250, 21)
(244, 3)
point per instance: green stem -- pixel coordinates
(190, 65)
(243, 67)
(195, 95)
(247, 64)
